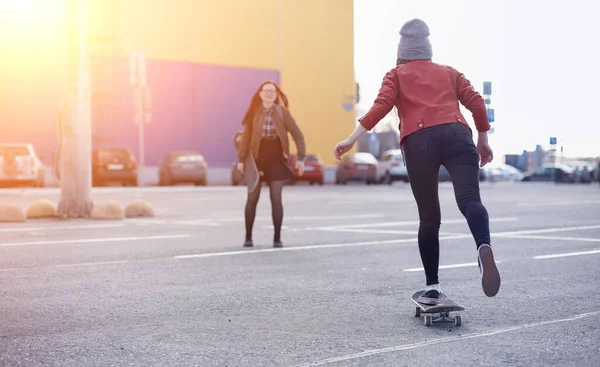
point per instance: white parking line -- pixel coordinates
(378, 231)
(295, 248)
(385, 242)
(555, 256)
(409, 223)
(92, 264)
(547, 230)
(453, 266)
(312, 247)
(427, 343)
(95, 240)
(219, 222)
(554, 238)
(62, 227)
(554, 203)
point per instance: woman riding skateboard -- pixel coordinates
(433, 132)
(263, 153)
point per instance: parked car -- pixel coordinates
(556, 173)
(187, 166)
(357, 167)
(392, 167)
(114, 165)
(314, 171)
(19, 164)
(503, 172)
(583, 172)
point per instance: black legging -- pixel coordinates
(275, 188)
(450, 145)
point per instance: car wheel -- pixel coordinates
(388, 179)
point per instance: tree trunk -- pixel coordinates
(75, 121)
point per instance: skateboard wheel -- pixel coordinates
(428, 320)
(457, 320)
(417, 312)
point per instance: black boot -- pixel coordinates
(277, 241)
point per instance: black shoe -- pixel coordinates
(277, 243)
(490, 276)
(248, 243)
(430, 297)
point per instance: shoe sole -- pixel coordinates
(490, 277)
(428, 301)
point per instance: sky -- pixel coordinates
(541, 57)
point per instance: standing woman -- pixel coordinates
(263, 153)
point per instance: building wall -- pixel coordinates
(204, 61)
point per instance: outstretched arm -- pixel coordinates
(383, 104)
(472, 100)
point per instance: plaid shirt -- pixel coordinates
(268, 126)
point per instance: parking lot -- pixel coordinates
(179, 289)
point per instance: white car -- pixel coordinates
(391, 167)
(503, 172)
(20, 165)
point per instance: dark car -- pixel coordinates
(114, 165)
(557, 173)
(314, 172)
(357, 167)
(183, 167)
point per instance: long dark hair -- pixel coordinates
(256, 101)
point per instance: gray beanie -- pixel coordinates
(414, 41)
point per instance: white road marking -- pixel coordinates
(554, 238)
(378, 231)
(452, 266)
(446, 266)
(95, 240)
(63, 227)
(295, 248)
(219, 222)
(546, 230)
(310, 247)
(146, 221)
(558, 203)
(555, 256)
(427, 343)
(408, 223)
(91, 264)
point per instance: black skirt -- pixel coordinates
(272, 164)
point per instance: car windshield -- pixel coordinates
(107, 154)
(364, 158)
(190, 157)
(311, 158)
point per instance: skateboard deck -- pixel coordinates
(438, 313)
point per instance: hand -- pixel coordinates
(342, 148)
(240, 167)
(300, 167)
(485, 153)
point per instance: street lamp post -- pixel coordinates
(75, 121)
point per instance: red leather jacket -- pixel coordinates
(426, 94)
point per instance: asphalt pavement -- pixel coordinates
(180, 290)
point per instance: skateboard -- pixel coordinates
(442, 310)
